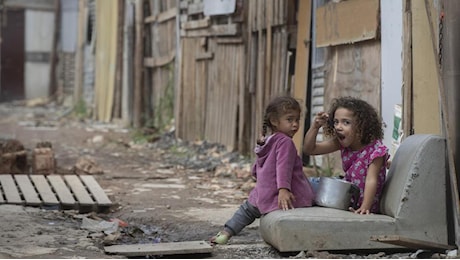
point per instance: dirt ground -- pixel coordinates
(165, 190)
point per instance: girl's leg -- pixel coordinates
(244, 216)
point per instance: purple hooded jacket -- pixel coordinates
(279, 166)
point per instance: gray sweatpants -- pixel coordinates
(244, 216)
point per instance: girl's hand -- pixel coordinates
(285, 199)
(361, 211)
(320, 120)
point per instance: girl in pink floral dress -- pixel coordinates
(354, 128)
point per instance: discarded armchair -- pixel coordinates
(413, 206)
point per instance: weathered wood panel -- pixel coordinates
(242, 65)
(106, 49)
(223, 88)
(355, 71)
(347, 22)
(160, 89)
(425, 106)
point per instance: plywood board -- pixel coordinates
(173, 248)
(347, 22)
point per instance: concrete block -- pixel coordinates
(43, 161)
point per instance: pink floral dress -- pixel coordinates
(356, 163)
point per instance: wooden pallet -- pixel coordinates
(79, 192)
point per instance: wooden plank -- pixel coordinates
(426, 107)
(198, 24)
(28, 190)
(79, 53)
(446, 128)
(410, 243)
(226, 29)
(63, 193)
(204, 56)
(138, 68)
(96, 190)
(44, 189)
(161, 17)
(187, 247)
(227, 40)
(346, 22)
(9, 188)
(214, 30)
(79, 190)
(196, 8)
(159, 61)
(301, 64)
(407, 70)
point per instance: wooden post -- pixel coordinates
(138, 64)
(79, 55)
(301, 64)
(116, 112)
(53, 59)
(407, 118)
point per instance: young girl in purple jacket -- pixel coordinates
(281, 183)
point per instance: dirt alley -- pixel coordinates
(165, 190)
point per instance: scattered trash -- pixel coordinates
(86, 165)
(120, 222)
(107, 227)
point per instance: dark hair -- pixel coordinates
(368, 122)
(275, 109)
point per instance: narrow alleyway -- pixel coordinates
(164, 190)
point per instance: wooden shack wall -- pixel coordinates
(353, 64)
(160, 51)
(235, 63)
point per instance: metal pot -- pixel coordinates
(336, 193)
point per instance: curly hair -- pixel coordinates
(368, 122)
(275, 109)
